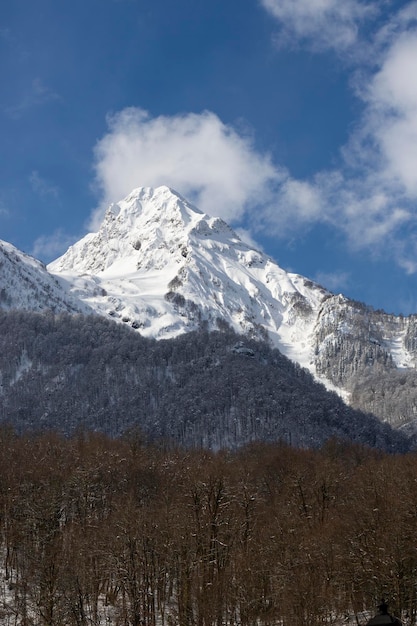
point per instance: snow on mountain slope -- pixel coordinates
(26, 284)
(164, 267)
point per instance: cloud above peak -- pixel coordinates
(392, 111)
(204, 159)
(371, 196)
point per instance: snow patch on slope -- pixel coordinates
(401, 357)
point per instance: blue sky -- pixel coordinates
(294, 120)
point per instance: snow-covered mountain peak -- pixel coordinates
(148, 205)
(148, 222)
(161, 265)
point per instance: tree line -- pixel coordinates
(119, 531)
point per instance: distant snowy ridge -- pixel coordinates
(26, 284)
(163, 266)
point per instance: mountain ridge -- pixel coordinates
(26, 284)
(164, 268)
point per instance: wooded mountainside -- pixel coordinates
(101, 531)
(354, 351)
(214, 390)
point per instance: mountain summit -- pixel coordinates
(164, 267)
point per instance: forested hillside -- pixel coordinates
(213, 390)
(103, 531)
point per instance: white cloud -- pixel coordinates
(4, 211)
(360, 210)
(371, 196)
(333, 281)
(392, 111)
(5, 35)
(196, 154)
(301, 201)
(296, 206)
(42, 187)
(378, 184)
(49, 247)
(322, 23)
(247, 237)
(37, 94)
